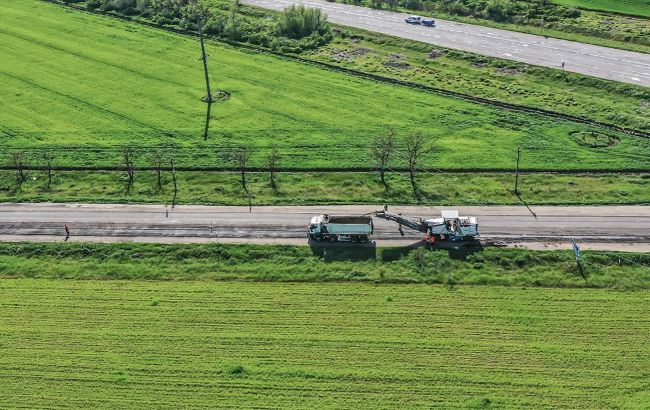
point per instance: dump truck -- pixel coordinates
(449, 227)
(340, 228)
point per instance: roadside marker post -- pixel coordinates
(578, 255)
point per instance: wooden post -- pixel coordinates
(205, 60)
(517, 171)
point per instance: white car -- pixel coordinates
(414, 19)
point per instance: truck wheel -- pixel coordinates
(332, 239)
(363, 239)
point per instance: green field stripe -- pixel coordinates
(307, 345)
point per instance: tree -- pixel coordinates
(240, 156)
(157, 159)
(415, 148)
(48, 157)
(272, 161)
(128, 163)
(392, 4)
(18, 163)
(381, 150)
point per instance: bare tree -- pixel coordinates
(415, 148)
(241, 156)
(158, 159)
(128, 162)
(48, 157)
(18, 163)
(272, 161)
(381, 150)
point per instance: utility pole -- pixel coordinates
(199, 22)
(204, 58)
(517, 171)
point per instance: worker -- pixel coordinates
(67, 233)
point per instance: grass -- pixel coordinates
(61, 93)
(631, 7)
(242, 345)
(317, 188)
(491, 266)
(491, 78)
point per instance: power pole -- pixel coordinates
(205, 60)
(517, 171)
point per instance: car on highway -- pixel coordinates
(413, 19)
(420, 21)
(428, 22)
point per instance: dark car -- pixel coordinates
(429, 22)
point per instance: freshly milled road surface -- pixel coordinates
(596, 61)
(611, 227)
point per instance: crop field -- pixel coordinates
(85, 86)
(69, 343)
(632, 7)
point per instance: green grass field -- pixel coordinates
(91, 344)
(318, 188)
(83, 86)
(632, 7)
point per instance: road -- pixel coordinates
(605, 227)
(612, 64)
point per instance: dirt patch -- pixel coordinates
(435, 53)
(508, 71)
(219, 96)
(479, 64)
(396, 64)
(339, 54)
(594, 139)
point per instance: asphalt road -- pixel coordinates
(613, 227)
(596, 61)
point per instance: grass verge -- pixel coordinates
(491, 266)
(318, 188)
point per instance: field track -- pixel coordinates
(69, 343)
(376, 77)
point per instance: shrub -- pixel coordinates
(297, 22)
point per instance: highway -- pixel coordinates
(608, 63)
(603, 227)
